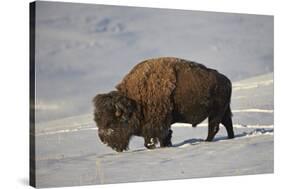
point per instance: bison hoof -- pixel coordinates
(208, 140)
(166, 144)
(150, 143)
(169, 144)
(150, 146)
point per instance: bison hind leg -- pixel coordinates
(213, 129)
(227, 122)
(216, 119)
(213, 126)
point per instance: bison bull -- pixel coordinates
(157, 93)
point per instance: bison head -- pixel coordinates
(117, 119)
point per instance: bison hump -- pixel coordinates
(151, 83)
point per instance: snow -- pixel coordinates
(84, 50)
(253, 110)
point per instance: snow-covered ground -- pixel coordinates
(83, 50)
(70, 153)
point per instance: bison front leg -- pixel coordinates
(150, 142)
(165, 141)
(148, 133)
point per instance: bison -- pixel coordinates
(157, 93)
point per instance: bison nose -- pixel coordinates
(101, 136)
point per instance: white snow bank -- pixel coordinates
(253, 110)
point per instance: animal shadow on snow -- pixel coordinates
(195, 141)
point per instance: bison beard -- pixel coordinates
(157, 93)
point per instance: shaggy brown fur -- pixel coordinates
(159, 92)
